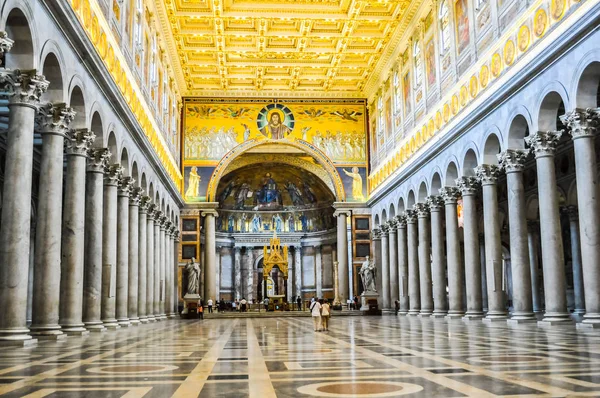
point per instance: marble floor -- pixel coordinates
(359, 357)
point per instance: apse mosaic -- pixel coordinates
(214, 127)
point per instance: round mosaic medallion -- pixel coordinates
(557, 8)
(524, 38)
(360, 389)
(509, 52)
(540, 22)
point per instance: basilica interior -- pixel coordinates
(293, 198)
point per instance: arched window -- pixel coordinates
(139, 17)
(418, 60)
(444, 27)
(380, 120)
(397, 91)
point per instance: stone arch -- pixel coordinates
(17, 27)
(572, 194)
(151, 191)
(135, 173)
(384, 218)
(469, 162)
(491, 149)
(77, 102)
(112, 147)
(392, 211)
(125, 161)
(377, 223)
(144, 183)
(518, 129)
(97, 128)
(551, 108)
(411, 199)
(244, 147)
(53, 71)
(422, 192)
(436, 184)
(451, 173)
(401, 206)
(587, 94)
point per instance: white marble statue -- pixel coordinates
(368, 273)
(193, 276)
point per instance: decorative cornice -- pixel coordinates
(54, 119)
(513, 160)
(450, 195)
(468, 185)
(79, 142)
(23, 87)
(487, 173)
(544, 143)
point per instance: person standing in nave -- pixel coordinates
(325, 315)
(315, 311)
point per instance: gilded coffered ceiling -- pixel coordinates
(282, 47)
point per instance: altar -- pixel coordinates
(278, 303)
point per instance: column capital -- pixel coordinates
(23, 87)
(135, 196)
(176, 235)
(384, 228)
(345, 213)
(144, 203)
(468, 186)
(5, 42)
(513, 160)
(422, 209)
(450, 195)
(79, 142)
(54, 119)
(581, 122)
(571, 211)
(151, 209)
(487, 174)
(163, 221)
(435, 203)
(401, 220)
(97, 159)
(209, 212)
(125, 185)
(376, 233)
(112, 174)
(393, 224)
(544, 143)
(411, 216)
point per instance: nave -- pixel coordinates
(361, 356)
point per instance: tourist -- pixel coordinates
(234, 305)
(201, 310)
(325, 315)
(397, 306)
(210, 305)
(243, 304)
(356, 302)
(222, 305)
(299, 303)
(315, 310)
(266, 304)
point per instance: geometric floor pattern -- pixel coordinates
(359, 357)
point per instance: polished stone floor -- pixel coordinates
(360, 356)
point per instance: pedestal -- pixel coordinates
(369, 303)
(189, 298)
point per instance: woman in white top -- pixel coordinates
(315, 310)
(325, 315)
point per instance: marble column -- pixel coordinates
(544, 147)
(237, 273)
(133, 260)
(414, 289)
(250, 255)
(385, 266)
(468, 187)
(578, 287)
(52, 123)
(513, 162)
(143, 259)
(484, 298)
(393, 253)
(290, 279)
(424, 250)
(488, 175)
(176, 292)
(532, 239)
(319, 271)
(219, 268)
(583, 126)
(94, 215)
(456, 294)
(210, 260)
(438, 263)
(150, 262)
(162, 268)
(298, 269)
(124, 189)
(112, 176)
(169, 270)
(158, 225)
(342, 250)
(24, 89)
(402, 264)
(73, 230)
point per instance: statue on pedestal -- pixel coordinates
(368, 273)
(192, 270)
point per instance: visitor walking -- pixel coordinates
(234, 305)
(201, 310)
(397, 306)
(299, 303)
(266, 304)
(243, 304)
(325, 315)
(210, 305)
(355, 302)
(315, 310)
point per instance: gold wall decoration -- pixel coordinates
(484, 76)
(557, 8)
(540, 22)
(524, 38)
(509, 52)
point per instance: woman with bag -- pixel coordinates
(325, 315)
(315, 311)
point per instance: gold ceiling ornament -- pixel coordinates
(322, 48)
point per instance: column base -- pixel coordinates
(438, 315)
(555, 318)
(552, 322)
(52, 332)
(519, 321)
(51, 337)
(524, 316)
(579, 312)
(403, 312)
(111, 324)
(472, 318)
(18, 343)
(455, 315)
(494, 319)
(413, 312)
(584, 325)
(124, 323)
(75, 330)
(143, 320)
(18, 337)
(134, 322)
(150, 319)
(95, 327)
(425, 314)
